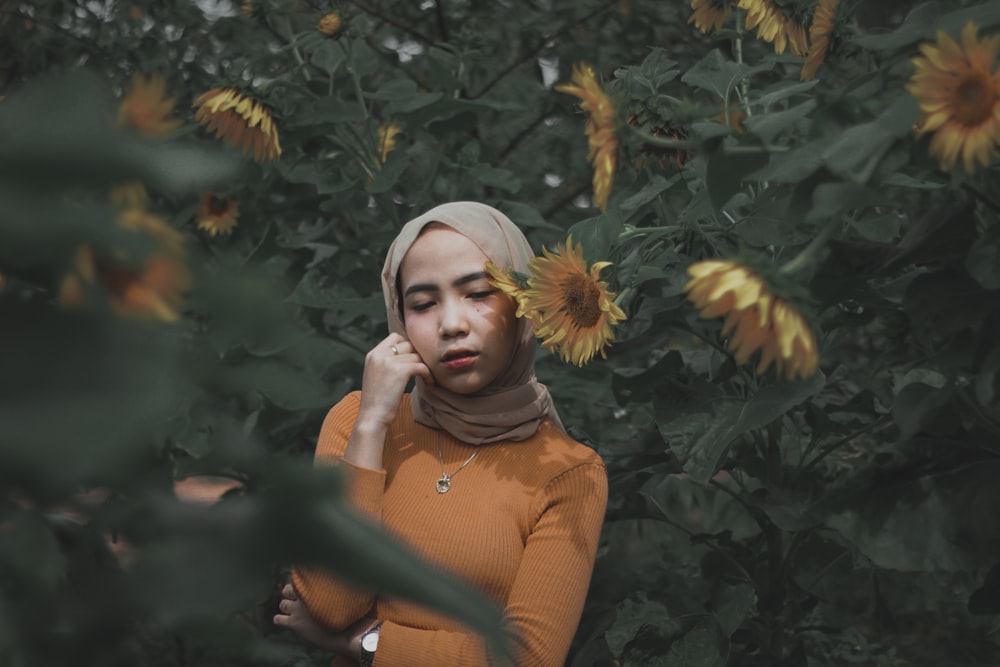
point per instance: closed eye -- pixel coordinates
(421, 306)
(482, 295)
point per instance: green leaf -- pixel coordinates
(783, 90)
(656, 186)
(328, 56)
(327, 110)
(698, 647)
(930, 523)
(526, 216)
(286, 386)
(926, 19)
(769, 125)
(725, 174)
(311, 292)
(394, 90)
(983, 260)
(364, 61)
(598, 234)
(48, 144)
(731, 605)
(832, 199)
(496, 177)
(857, 145)
(877, 228)
(791, 167)
(647, 79)
(717, 74)
(988, 380)
(388, 176)
(918, 404)
(775, 400)
(701, 435)
(700, 440)
(631, 615)
(107, 383)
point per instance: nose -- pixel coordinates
(454, 321)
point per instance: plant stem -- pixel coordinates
(290, 36)
(805, 258)
(743, 86)
(981, 196)
(354, 78)
(826, 451)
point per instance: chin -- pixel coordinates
(462, 388)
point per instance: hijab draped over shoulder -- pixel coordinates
(515, 403)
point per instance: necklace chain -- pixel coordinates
(444, 482)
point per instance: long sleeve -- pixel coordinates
(548, 592)
(521, 523)
(334, 604)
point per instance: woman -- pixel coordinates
(472, 468)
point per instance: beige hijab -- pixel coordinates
(515, 403)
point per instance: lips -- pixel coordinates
(458, 358)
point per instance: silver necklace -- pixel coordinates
(444, 482)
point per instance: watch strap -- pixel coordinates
(368, 657)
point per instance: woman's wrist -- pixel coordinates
(364, 449)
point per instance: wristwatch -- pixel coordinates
(369, 643)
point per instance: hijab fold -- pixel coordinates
(513, 405)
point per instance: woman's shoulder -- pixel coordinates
(558, 445)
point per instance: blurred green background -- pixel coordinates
(147, 362)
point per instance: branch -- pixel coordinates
(392, 21)
(442, 24)
(530, 55)
(520, 136)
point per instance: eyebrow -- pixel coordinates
(431, 287)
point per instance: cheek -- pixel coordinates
(416, 332)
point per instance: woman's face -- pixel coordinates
(463, 328)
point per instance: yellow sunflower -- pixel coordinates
(600, 130)
(710, 15)
(241, 120)
(819, 37)
(386, 140)
(958, 87)
(774, 26)
(508, 282)
(154, 290)
(142, 221)
(756, 318)
(329, 25)
(145, 107)
(217, 215)
(129, 195)
(571, 310)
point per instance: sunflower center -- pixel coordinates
(975, 98)
(583, 301)
(217, 206)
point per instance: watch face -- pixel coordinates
(370, 641)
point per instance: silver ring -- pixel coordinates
(394, 349)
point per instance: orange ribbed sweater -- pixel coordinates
(521, 522)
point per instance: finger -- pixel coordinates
(289, 592)
(281, 619)
(422, 372)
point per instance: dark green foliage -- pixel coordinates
(846, 519)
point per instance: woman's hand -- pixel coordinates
(388, 368)
(293, 615)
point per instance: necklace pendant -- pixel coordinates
(444, 484)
